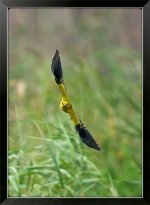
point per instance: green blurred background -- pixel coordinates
(100, 52)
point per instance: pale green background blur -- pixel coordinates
(100, 52)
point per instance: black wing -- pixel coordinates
(86, 137)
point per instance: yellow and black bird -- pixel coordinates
(66, 106)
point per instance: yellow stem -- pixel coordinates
(66, 106)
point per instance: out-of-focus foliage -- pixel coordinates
(101, 58)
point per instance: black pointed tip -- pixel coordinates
(98, 148)
(57, 52)
(56, 68)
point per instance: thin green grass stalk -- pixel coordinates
(113, 190)
(65, 134)
(69, 190)
(57, 167)
(38, 128)
(28, 183)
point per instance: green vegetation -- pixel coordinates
(46, 155)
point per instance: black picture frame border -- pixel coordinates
(4, 6)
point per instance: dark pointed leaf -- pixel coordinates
(86, 137)
(56, 68)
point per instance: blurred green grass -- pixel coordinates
(46, 155)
